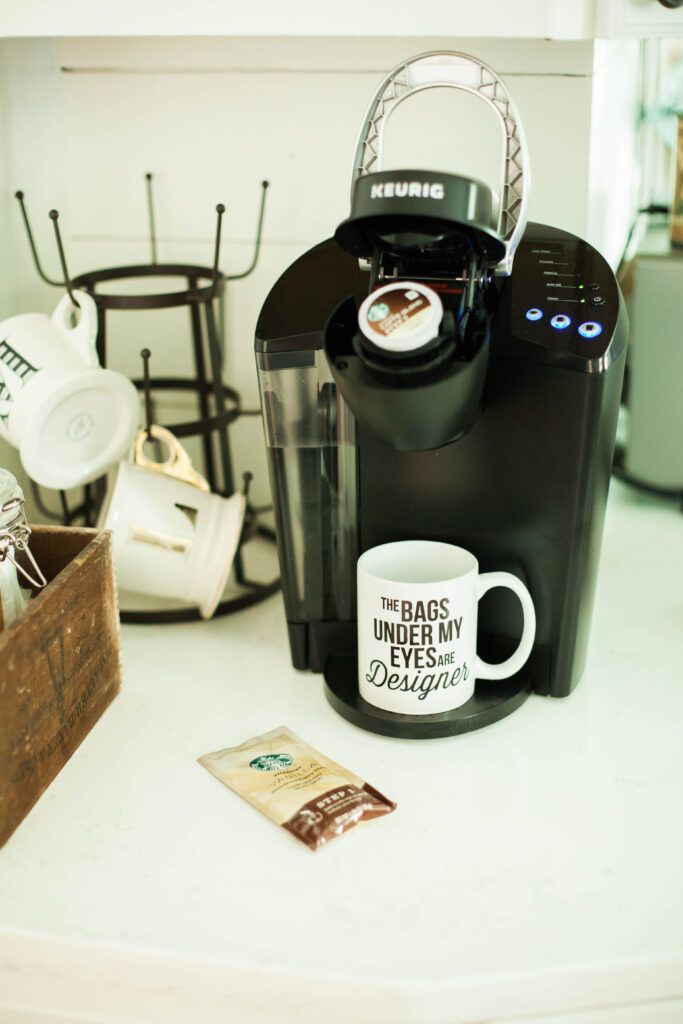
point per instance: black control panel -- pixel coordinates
(562, 296)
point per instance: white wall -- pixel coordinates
(85, 119)
(614, 165)
(31, 150)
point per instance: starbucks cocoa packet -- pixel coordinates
(297, 787)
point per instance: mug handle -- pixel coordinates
(82, 336)
(514, 663)
(177, 465)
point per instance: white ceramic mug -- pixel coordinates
(172, 537)
(70, 418)
(417, 626)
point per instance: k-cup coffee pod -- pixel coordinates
(401, 316)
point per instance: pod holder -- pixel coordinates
(201, 290)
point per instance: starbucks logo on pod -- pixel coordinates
(271, 762)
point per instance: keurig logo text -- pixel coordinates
(407, 190)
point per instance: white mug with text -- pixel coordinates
(70, 418)
(417, 626)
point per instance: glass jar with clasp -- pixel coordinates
(14, 538)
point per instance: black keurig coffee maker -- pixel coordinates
(442, 370)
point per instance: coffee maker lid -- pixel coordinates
(420, 212)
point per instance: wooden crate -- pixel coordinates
(60, 665)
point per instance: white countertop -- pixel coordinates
(531, 869)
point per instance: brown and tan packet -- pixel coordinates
(298, 788)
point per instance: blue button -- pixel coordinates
(560, 321)
(534, 314)
(590, 329)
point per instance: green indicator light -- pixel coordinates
(582, 300)
(580, 286)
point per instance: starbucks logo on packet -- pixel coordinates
(271, 762)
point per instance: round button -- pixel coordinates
(560, 321)
(534, 314)
(598, 300)
(593, 287)
(590, 329)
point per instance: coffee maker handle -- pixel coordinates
(460, 71)
(82, 336)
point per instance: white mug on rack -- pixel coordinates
(172, 537)
(70, 418)
(417, 626)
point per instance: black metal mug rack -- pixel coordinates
(218, 404)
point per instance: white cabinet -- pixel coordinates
(382, 19)
(533, 19)
(84, 118)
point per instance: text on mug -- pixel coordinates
(379, 675)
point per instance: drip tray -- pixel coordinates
(491, 701)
